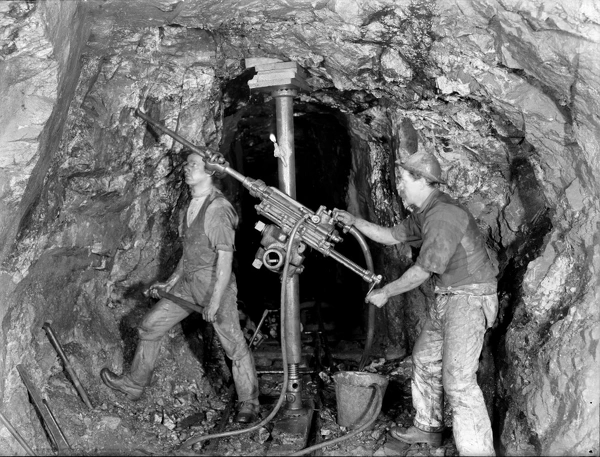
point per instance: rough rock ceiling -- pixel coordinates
(506, 91)
(532, 62)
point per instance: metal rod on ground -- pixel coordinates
(262, 319)
(54, 430)
(54, 340)
(322, 336)
(62, 435)
(14, 433)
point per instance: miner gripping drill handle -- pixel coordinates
(318, 231)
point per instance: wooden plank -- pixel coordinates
(292, 83)
(277, 66)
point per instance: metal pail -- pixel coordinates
(356, 401)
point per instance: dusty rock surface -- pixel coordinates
(173, 412)
(503, 92)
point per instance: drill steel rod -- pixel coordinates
(54, 420)
(54, 340)
(262, 319)
(284, 113)
(53, 429)
(276, 205)
(16, 434)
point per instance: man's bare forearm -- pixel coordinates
(412, 278)
(224, 267)
(375, 232)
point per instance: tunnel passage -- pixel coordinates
(323, 159)
(112, 220)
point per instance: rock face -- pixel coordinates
(503, 92)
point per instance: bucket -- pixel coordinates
(356, 401)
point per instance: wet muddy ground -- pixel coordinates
(177, 408)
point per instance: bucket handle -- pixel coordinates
(363, 427)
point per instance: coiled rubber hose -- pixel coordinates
(370, 334)
(371, 311)
(362, 428)
(198, 439)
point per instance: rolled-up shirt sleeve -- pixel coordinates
(219, 225)
(407, 232)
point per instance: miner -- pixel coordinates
(446, 354)
(204, 276)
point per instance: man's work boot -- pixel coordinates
(413, 435)
(248, 412)
(122, 384)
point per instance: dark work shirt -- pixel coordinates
(212, 230)
(451, 244)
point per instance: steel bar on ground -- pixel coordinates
(16, 434)
(54, 340)
(53, 429)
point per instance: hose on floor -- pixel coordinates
(197, 439)
(362, 428)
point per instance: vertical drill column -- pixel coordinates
(284, 105)
(282, 80)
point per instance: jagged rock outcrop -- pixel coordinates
(503, 92)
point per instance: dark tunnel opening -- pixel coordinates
(323, 159)
(93, 197)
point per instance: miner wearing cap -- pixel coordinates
(446, 354)
(203, 276)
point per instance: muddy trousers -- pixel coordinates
(165, 314)
(446, 359)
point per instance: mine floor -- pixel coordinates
(171, 412)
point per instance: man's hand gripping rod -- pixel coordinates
(318, 231)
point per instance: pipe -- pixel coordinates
(275, 205)
(54, 340)
(371, 311)
(284, 113)
(16, 434)
(51, 415)
(262, 320)
(362, 428)
(369, 342)
(282, 395)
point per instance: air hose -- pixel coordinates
(284, 279)
(362, 428)
(371, 312)
(370, 332)
(368, 344)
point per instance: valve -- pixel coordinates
(273, 249)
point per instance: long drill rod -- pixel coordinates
(277, 206)
(16, 434)
(54, 340)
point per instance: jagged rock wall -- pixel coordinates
(104, 223)
(38, 72)
(504, 92)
